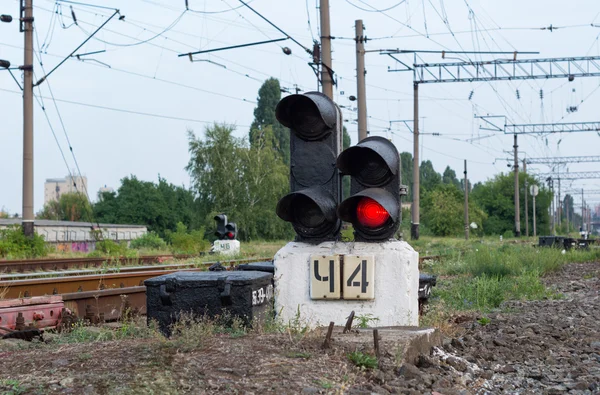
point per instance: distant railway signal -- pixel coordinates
(373, 207)
(315, 125)
(231, 231)
(221, 222)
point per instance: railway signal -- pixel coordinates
(315, 125)
(230, 231)
(221, 223)
(374, 205)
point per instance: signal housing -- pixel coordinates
(374, 168)
(315, 125)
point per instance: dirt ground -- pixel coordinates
(550, 347)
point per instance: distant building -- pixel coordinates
(55, 187)
(104, 189)
(79, 236)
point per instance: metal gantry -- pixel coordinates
(507, 70)
(545, 128)
(571, 176)
(562, 160)
(494, 70)
(587, 191)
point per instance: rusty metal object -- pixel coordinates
(16, 314)
(120, 269)
(108, 304)
(128, 277)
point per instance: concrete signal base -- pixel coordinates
(396, 284)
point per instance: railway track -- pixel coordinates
(57, 283)
(102, 296)
(32, 265)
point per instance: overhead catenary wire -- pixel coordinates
(123, 110)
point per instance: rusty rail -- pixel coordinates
(79, 283)
(124, 269)
(25, 265)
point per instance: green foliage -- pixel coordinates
(483, 321)
(159, 206)
(70, 207)
(449, 177)
(365, 320)
(269, 95)
(244, 182)
(443, 211)
(362, 360)
(496, 198)
(184, 242)
(14, 244)
(110, 248)
(488, 274)
(488, 292)
(150, 241)
(429, 178)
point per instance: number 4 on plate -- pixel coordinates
(359, 277)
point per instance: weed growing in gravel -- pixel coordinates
(362, 360)
(364, 320)
(11, 387)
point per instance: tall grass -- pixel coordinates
(488, 274)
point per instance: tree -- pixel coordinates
(244, 182)
(496, 198)
(406, 163)
(429, 178)
(269, 95)
(158, 206)
(69, 207)
(449, 177)
(443, 211)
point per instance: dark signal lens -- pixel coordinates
(371, 214)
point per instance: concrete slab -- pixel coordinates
(395, 279)
(396, 344)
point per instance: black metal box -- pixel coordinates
(247, 295)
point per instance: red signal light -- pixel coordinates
(230, 235)
(370, 213)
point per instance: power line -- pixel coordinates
(123, 110)
(375, 10)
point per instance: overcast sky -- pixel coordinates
(126, 110)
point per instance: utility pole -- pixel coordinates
(560, 204)
(28, 217)
(534, 224)
(552, 217)
(326, 70)
(517, 212)
(414, 230)
(466, 203)
(582, 211)
(361, 90)
(526, 193)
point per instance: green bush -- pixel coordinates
(110, 248)
(14, 244)
(150, 240)
(183, 242)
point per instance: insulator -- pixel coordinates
(518, 95)
(471, 95)
(542, 94)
